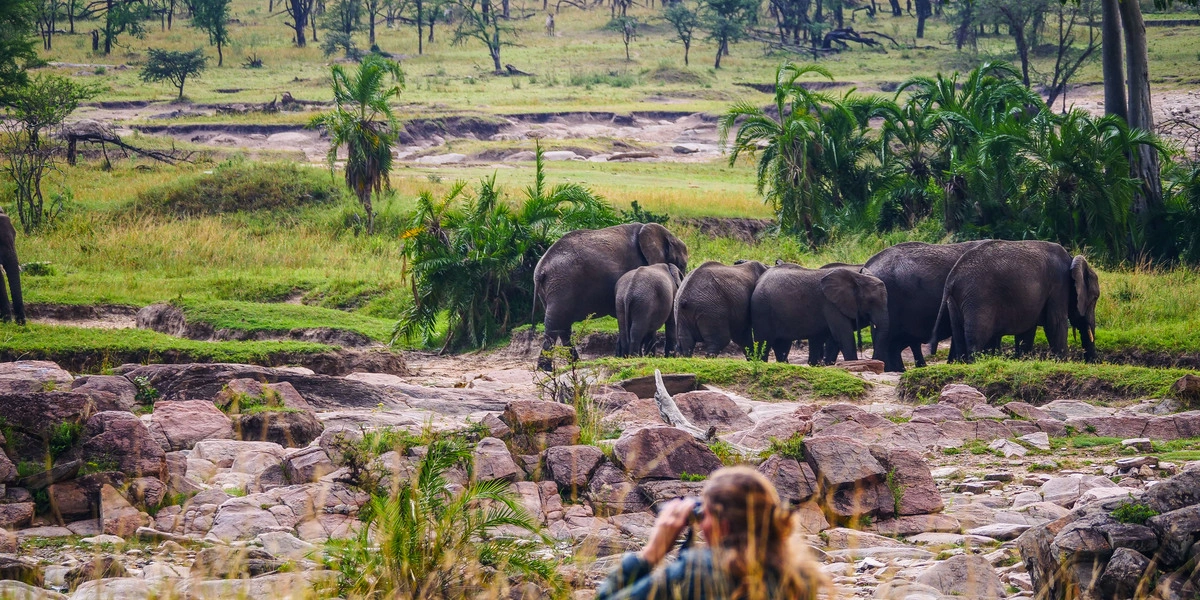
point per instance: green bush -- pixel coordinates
(792, 447)
(1134, 512)
(426, 541)
(242, 187)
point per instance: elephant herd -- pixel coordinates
(972, 293)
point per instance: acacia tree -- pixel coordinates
(726, 22)
(211, 16)
(683, 20)
(31, 111)
(16, 44)
(483, 24)
(362, 122)
(120, 17)
(173, 66)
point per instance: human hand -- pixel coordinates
(672, 519)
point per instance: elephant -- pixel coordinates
(823, 350)
(12, 268)
(577, 276)
(645, 302)
(791, 302)
(915, 275)
(1010, 288)
(712, 306)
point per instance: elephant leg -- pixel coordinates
(960, 350)
(781, 348)
(816, 351)
(1056, 334)
(918, 356)
(669, 341)
(842, 334)
(647, 348)
(1024, 343)
(5, 309)
(831, 352)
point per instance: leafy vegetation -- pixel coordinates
(766, 381)
(1136, 513)
(280, 317)
(240, 186)
(173, 66)
(792, 448)
(472, 257)
(1036, 381)
(428, 541)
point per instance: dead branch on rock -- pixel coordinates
(670, 413)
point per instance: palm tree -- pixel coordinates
(363, 123)
(791, 142)
(424, 540)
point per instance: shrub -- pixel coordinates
(792, 447)
(63, 437)
(426, 541)
(236, 187)
(1133, 512)
(472, 258)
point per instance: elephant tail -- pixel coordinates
(537, 294)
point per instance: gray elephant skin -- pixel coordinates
(12, 268)
(915, 276)
(1010, 288)
(791, 302)
(645, 302)
(712, 307)
(577, 276)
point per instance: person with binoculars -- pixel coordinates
(748, 553)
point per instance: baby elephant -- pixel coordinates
(645, 299)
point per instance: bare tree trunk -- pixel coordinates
(896, 10)
(1141, 115)
(1110, 56)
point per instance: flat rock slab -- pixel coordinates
(644, 387)
(1000, 531)
(882, 553)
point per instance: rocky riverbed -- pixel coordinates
(216, 480)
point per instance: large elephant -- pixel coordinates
(12, 268)
(791, 302)
(915, 275)
(1010, 288)
(577, 276)
(645, 302)
(712, 307)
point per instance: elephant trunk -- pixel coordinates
(880, 337)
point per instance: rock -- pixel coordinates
(444, 159)
(223, 452)
(282, 586)
(1140, 444)
(205, 381)
(100, 567)
(285, 545)
(125, 588)
(183, 423)
(32, 418)
(658, 492)
(1073, 409)
(1187, 388)
(881, 553)
(644, 387)
(123, 391)
(16, 515)
(663, 453)
(1022, 410)
(306, 465)
(223, 562)
(288, 428)
(937, 413)
(493, 461)
(21, 569)
(1175, 493)
(1064, 491)
(1039, 440)
(122, 439)
(1000, 531)
(909, 480)
(43, 373)
(961, 396)
(535, 416)
(862, 365)
(967, 575)
(1099, 494)
(117, 516)
(572, 466)
(841, 462)
(900, 589)
(263, 466)
(613, 492)
(8, 542)
(795, 481)
(1177, 531)
(16, 590)
(914, 524)
(706, 409)
(1008, 448)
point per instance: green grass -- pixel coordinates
(1087, 441)
(765, 381)
(94, 350)
(1037, 382)
(281, 317)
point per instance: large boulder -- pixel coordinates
(612, 492)
(179, 425)
(965, 575)
(663, 453)
(571, 467)
(120, 438)
(706, 408)
(493, 461)
(535, 416)
(794, 480)
(841, 462)
(223, 452)
(909, 480)
(204, 381)
(288, 428)
(33, 418)
(124, 393)
(41, 375)
(117, 516)
(307, 465)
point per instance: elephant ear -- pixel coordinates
(652, 242)
(1087, 284)
(841, 289)
(1079, 269)
(675, 273)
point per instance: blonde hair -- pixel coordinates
(754, 545)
